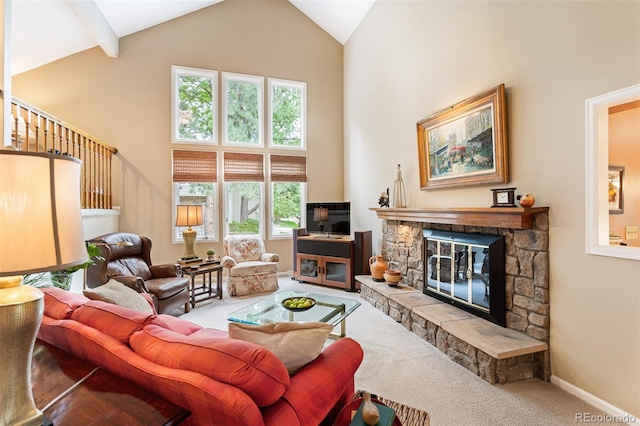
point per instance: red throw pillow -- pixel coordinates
(249, 367)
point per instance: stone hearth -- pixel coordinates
(527, 289)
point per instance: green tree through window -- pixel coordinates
(242, 112)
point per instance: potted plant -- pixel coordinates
(62, 279)
(210, 254)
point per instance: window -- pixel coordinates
(243, 109)
(194, 99)
(287, 113)
(194, 183)
(244, 193)
(597, 214)
(288, 193)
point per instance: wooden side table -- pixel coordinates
(70, 391)
(206, 289)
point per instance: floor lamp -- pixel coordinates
(40, 230)
(189, 216)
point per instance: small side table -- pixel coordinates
(206, 288)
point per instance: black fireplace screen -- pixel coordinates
(466, 270)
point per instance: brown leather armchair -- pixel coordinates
(127, 258)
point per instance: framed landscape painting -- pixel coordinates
(465, 144)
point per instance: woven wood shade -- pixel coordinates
(288, 168)
(243, 167)
(195, 166)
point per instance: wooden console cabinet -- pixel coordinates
(332, 262)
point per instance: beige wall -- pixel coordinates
(126, 101)
(624, 150)
(408, 60)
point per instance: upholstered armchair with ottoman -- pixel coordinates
(251, 269)
(127, 259)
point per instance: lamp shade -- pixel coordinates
(40, 213)
(189, 215)
(320, 214)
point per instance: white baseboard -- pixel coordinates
(617, 415)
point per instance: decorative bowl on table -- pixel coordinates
(298, 303)
(392, 277)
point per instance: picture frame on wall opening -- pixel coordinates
(465, 144)
(615, 194)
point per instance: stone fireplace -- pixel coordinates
(524, 233)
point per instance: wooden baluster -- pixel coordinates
(36, 129)
(109, 182)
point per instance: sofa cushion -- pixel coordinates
(250, 268)
(60, 304)
(178, 325)
(243, 248)
(249, 367)
(116, 321)
(119, 294)
(296, 344)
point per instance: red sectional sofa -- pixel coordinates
(221, 381)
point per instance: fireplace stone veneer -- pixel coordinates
(526, 290)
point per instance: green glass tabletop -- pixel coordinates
(329, 309)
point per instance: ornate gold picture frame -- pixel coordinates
(465, 144)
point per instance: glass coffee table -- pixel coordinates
(329, 309)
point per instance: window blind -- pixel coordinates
(195, 166)
(243, 167)
(288, 168)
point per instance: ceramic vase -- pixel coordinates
(378, 266)
(370, 413)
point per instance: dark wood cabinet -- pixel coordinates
(332, 261)
(70, 391)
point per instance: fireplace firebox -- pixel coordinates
(466, 270)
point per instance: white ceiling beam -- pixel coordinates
(96, 25)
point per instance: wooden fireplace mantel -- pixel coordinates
(497, 217)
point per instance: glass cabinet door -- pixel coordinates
(337, 271)
(309, 268)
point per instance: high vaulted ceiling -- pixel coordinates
(43, 31)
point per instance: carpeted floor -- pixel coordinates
(400, 366)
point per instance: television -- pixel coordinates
(329, 218)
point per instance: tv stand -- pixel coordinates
(331, 260)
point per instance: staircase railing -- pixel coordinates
(38, 131)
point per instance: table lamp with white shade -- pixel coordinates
(40, 230)
(189, 215)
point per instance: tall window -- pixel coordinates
(288, 113)
(288, 193)
(244, 193)
(194, 183)
(194, 99)
(243, 109)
